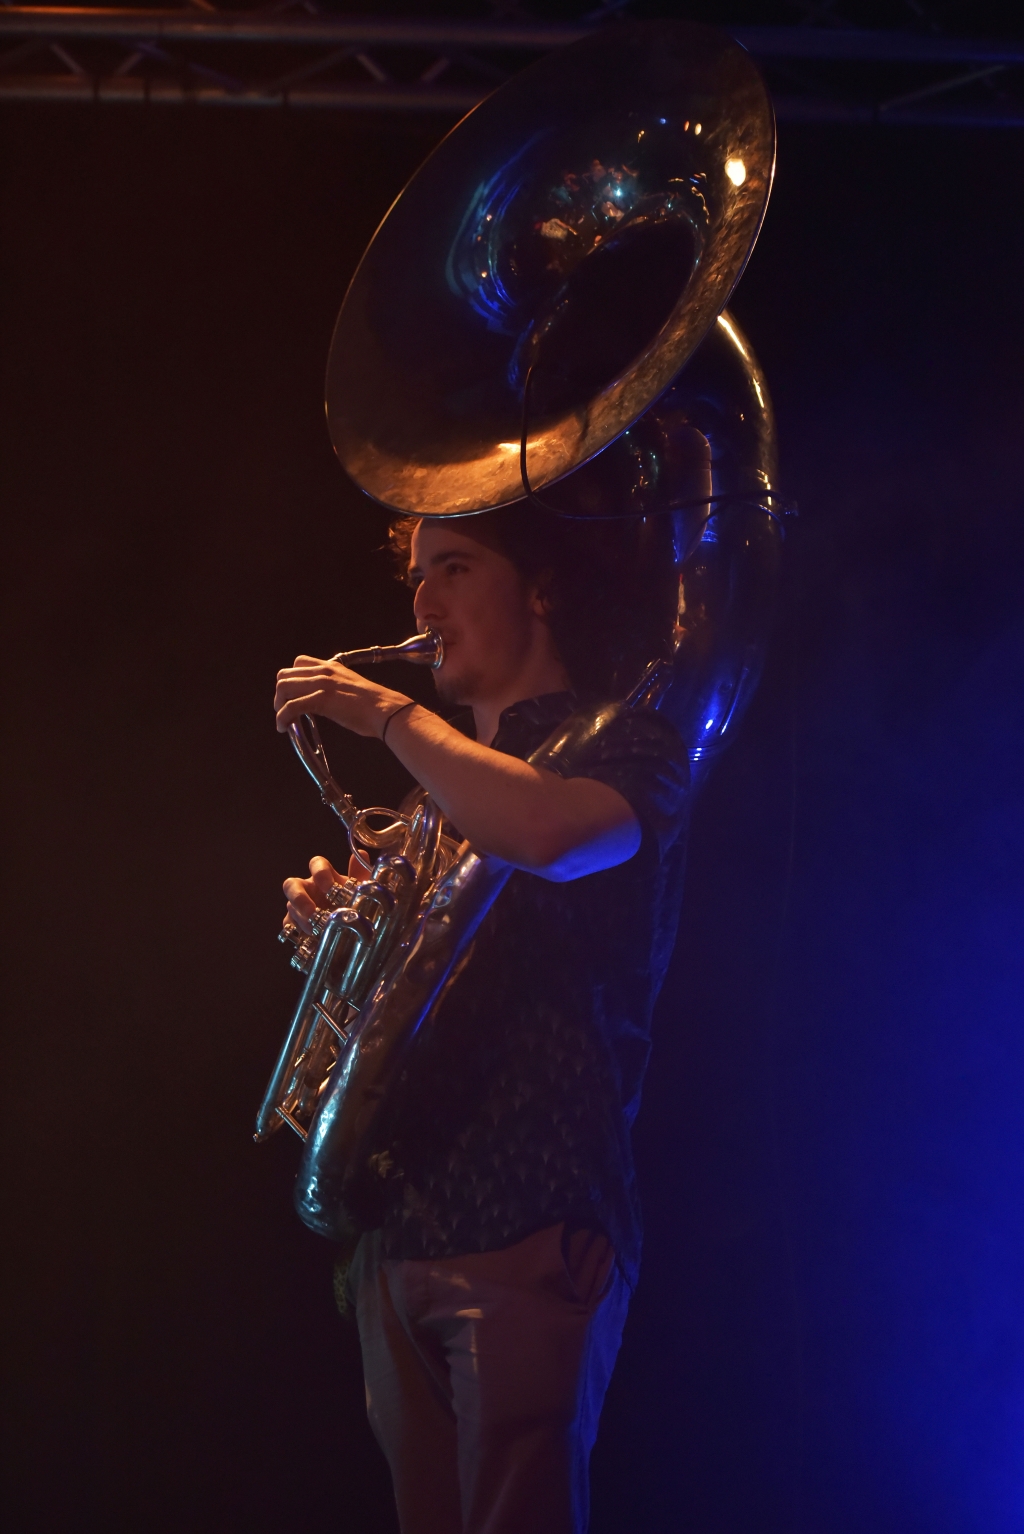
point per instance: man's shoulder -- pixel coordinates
(642, 732)
(640, 735)
(641, 754)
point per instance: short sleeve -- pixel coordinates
(641, 755)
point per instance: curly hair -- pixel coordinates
(611, 586)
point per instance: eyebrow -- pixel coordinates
(439, 559)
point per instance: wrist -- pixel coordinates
(397, 706)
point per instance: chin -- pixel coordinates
(455, 688)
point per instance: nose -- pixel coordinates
(429, 610)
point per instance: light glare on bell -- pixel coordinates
(736, 171)
(423, 381)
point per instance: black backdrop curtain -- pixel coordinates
(828, 1334)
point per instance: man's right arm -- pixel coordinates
(556, 827)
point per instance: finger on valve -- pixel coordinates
(302, 905)
(357, 867)
(323, 875)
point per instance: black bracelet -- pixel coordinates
(399, 710)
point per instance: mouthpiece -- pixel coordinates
(421, 650)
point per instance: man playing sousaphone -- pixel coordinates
(502, 1231)
(519, 320)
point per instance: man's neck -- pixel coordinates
(533, 682)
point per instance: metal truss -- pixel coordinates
(300, 57)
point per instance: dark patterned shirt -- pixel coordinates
(515, 1106)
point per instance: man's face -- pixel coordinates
(477, 601)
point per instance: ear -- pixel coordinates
(542, 601)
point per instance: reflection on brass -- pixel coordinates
(591, 217)
(360, 923)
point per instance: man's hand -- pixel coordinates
(332, 691)
(302, 894)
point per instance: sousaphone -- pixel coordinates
(540, 317)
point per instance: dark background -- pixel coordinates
(829, 1333)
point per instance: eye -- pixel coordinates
(455, 567)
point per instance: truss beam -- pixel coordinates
(61, 23)
(357, 63)
(117, 24)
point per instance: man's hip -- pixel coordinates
(485, 1377)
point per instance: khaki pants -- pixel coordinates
(485, 1377)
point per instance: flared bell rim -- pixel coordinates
(415, 415)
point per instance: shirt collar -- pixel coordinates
(533, 717)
